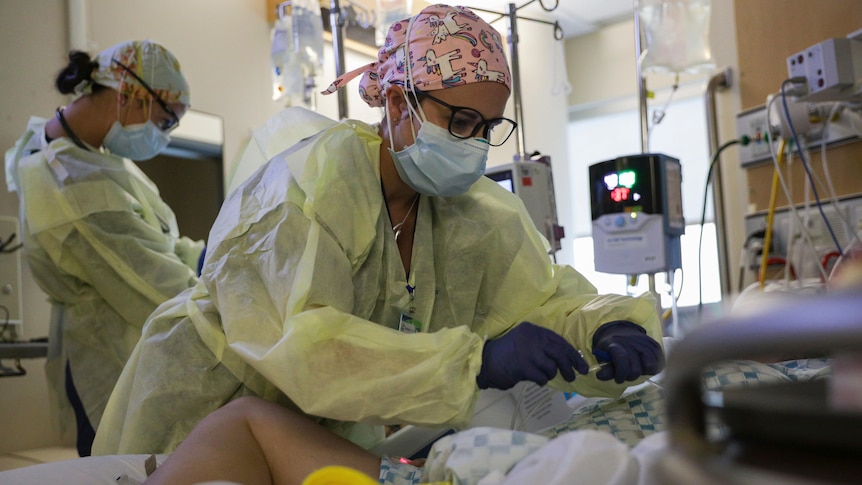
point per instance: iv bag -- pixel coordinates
(286, 73)
(308, 33)
(389, 12)
(677, 35)
(297, 49)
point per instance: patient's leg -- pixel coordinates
(252, 441)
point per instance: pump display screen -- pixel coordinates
(504, 179)
(620, 184)
(623, 185)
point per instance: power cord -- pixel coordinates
(4, 244)
(805, 163)
(5, 326)
(743, 140)
(743, 261)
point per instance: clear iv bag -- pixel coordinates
(677, 36)
(308, 33)
(286, 74)
(389, 12)
(297, 49)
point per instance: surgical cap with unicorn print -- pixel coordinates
(445, 47)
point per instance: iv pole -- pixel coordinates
(644, 125)
(337, 24)
(520, 137)
(512, 14)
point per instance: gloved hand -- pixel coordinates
(631, 352)
(528, 353)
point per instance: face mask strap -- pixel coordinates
(409, 113)
(409, 71)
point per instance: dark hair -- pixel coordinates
(80, 68)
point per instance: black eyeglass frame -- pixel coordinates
(155, 96)
(485, 123)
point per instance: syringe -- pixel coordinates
(597, 367)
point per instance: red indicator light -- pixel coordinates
(620, 194)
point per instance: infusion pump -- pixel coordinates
(533, 183)
(637, 214)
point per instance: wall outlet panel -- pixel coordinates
(10, 275)
(850, 209)
(754, 123)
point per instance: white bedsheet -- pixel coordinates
(91, 470)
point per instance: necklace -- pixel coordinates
(68, 129)
(397, 227)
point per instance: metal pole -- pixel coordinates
(642, 91)
(512, 12)
(336, 25)
(644, 123)
(719, 80)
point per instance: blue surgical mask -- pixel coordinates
(439, 164)
(138, 142)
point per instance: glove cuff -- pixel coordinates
(617, 327)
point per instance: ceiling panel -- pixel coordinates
(576, 17)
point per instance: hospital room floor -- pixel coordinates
(19, 459)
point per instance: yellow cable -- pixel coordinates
(770, 215)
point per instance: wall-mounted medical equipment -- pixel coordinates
(765, 128)
(637, 214)
(832, 69)
(533, 182)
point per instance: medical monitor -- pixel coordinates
(532, 182)
(503, 179)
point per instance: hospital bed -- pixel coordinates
(743, 400)
(15, 351)
(795, 431)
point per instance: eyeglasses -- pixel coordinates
(164, 125)
(467, 122)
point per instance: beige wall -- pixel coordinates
(32, 47)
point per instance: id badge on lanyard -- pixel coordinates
(408, 323)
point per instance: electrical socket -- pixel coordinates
(850, 209)
(754, 124)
